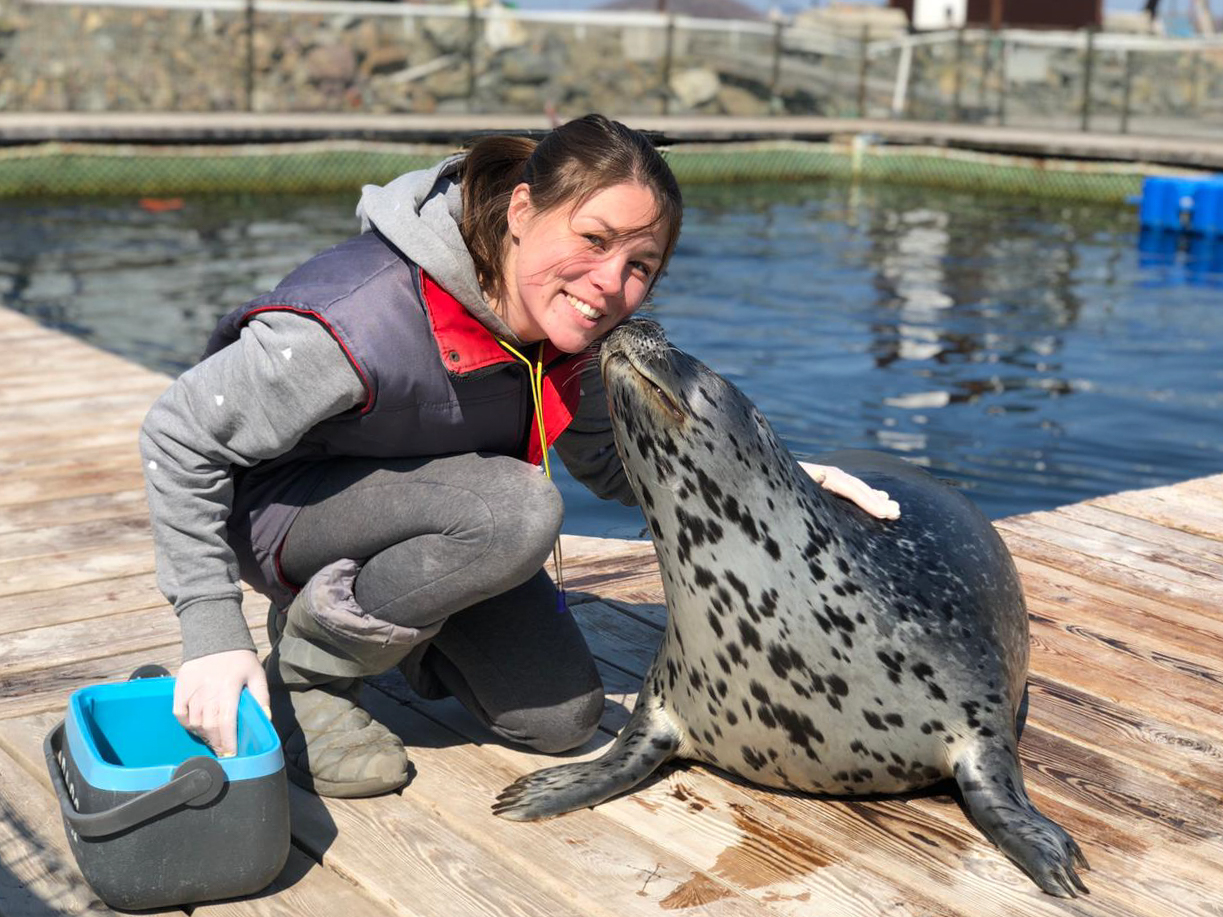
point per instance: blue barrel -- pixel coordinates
(1165, 202)
(1207, 218)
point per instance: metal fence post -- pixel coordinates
(1002, 81)
(775, 79)
(667, 57)
(249, 81)
(1195, 82)
(987, 67)
(472, 24)
(1088, 64)
(863, 69)
(959, 74)
(1125, 91)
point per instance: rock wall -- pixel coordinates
(114, 59)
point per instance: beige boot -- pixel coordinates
(325, 645)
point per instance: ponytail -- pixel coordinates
(492, 170)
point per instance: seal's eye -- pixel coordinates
(666, 401)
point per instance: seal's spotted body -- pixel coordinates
(810, 646)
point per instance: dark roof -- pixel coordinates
(708, 9)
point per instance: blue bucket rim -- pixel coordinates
(102, 774)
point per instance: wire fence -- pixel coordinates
(373, 57)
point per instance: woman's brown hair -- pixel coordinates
(571, 164)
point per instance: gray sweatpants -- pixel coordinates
(461, 539)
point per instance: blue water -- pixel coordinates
(1035, 354)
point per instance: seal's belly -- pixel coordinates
(772, 735)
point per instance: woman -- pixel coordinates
(359, 443)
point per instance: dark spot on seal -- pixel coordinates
(873, 720)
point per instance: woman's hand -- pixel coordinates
(206, 694)
(844, 484)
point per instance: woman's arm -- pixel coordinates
(249, 402)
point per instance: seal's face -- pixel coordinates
(673, 414)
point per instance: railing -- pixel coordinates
(323, 55)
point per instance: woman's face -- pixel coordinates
(573, 275)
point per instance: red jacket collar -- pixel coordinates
(463, 343)
(466, 346)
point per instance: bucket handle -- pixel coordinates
(196, 782)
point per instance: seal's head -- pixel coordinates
(672, 412)
(695, 449)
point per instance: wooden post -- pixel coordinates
(472, 38)
(250, 55)
(667, 57)
(1088, 64)
(863, 69)
(959, 74)
(1125, 91)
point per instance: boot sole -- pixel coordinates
(336, 790)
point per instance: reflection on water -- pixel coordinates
(1035, 354)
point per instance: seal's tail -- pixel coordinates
(645, 743)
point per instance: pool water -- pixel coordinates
(1034, 354)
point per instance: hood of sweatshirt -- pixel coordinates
(419, 214)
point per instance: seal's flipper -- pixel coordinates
(646, 741)
(989, 778)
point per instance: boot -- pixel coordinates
(324, 646)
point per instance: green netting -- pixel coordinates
(76, 169)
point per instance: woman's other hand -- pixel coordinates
(206, 694)
(844, 484)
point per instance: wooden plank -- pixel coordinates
(72, 568)
(23, 517)
(63, 411)
(1172, 540)
(1146, 554)
(1046, 550)
(24, 610)
(85, 483)
(85, 433)
(47, 688)
(50, 540)
(85, 383)
(1177, 507)
(38, 876)
(73, 459)
(1179, 753)
(27, 651)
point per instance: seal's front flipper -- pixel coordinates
(646, 741)
(992, 786)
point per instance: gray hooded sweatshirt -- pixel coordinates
(254, 400)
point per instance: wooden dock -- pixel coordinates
(1124, 742)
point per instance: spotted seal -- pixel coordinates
(810, 646)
